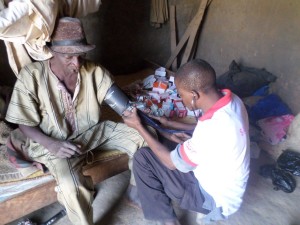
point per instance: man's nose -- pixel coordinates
(76, 61)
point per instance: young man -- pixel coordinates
(57, 106)
(208, 172)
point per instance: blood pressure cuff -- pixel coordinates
(117, 99)
(119, 102)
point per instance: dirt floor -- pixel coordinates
(262, 204)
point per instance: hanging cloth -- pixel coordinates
(159, 12)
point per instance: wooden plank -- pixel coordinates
(44, 194)
(193, 35)
(185, 37)
(178, 48)
(173, 33)
(27, 202)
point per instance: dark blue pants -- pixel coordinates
(158, 186)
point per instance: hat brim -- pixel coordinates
(72, 49)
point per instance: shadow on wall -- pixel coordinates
(7, 77)
(123, 36)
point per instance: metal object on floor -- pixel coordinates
(55, 218)
(26, 222)
(51, 221)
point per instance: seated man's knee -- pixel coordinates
(140, 156)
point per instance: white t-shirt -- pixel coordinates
(218, 152)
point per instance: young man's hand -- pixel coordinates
(180, 137)
(162, 119)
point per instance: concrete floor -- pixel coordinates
(262, 205)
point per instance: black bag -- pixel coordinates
(282, 180)
(244, 81)
(289, 161)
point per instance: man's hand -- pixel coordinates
(63, 149)
(179, 137)
(58, 148)
(162, 119)
(131, 118)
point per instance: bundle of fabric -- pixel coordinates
(270, 116)
(291, 140)
(13, 165)
(159, 12)
(274, 129)
(26, 26)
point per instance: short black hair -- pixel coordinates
(196, 75)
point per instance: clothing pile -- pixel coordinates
(269, 116)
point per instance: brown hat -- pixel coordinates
(68, 37)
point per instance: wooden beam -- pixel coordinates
(194, 31)
(194, 23)
(173, 34)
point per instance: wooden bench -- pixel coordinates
(107, 164)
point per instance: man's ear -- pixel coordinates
(195, 94)
(6, 2)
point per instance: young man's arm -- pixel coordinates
(177, 125)
(163, 153)
(178, 138)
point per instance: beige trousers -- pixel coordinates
(74, 190)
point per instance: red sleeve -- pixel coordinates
(185, 157)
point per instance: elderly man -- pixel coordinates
(208, 172)
(57, 106)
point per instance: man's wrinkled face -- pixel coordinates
(70, 63)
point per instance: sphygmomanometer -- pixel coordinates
(119, 102)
